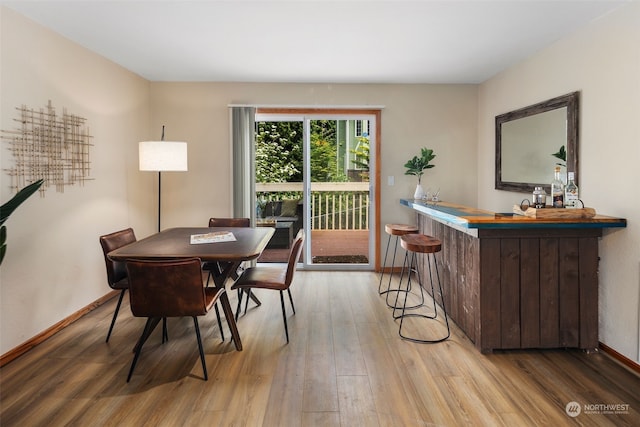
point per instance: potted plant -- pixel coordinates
(417, 165)
(7, 208)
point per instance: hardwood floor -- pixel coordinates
(345, 366)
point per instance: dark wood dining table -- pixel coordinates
(175, 243)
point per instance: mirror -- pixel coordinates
(528, 138)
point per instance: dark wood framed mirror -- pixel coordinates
(526, 140)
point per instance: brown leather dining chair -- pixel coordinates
(273, 277)
(215, 269)
(116, 271)
(169, 288)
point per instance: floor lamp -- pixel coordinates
(162, 156)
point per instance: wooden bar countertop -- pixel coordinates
(466, 217)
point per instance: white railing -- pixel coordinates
(334, 205)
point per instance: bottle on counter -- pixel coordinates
(571, 192)
(557, 190)
(539, 198)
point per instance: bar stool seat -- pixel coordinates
(415, 244)
(396, 230)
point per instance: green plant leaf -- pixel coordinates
(3, 242)
(7, 209)
(417, 165)
(561, 154)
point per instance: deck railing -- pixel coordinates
(334, 205)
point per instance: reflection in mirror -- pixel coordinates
(532, 141)
(526, 140)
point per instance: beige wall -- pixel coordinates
(437, 116)
(54, 264)
(602, 61)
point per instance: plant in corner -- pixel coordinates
(7, 209)
(417, 165)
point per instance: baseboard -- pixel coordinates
(23, 348)
(623, 360)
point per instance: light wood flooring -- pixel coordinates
(345, 366)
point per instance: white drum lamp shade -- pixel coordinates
(162, 156)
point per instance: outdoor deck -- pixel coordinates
(327, 243)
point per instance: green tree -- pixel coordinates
(362, 154)
(279, 152)
(323, 159)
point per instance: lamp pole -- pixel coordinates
(162, 156)
(160, 186)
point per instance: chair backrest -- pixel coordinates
(170, 288)
(116, 270)
(229, 222)
(294, 256)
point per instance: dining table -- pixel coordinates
(228, 245)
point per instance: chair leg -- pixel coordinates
(284, 316)
(165, 334)
(239, 304)
(204, 365)
(115, 313)
(246, 304)
(384, 264)
(411, 267)
(397, 291)
(393, 263)
(403, 315)
(148, 327)
(291, 300)
(219, 320)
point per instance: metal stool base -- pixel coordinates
(433, 295)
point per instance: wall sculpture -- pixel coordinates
(47, 146)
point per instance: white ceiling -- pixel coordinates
(315, 41)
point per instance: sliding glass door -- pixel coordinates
(312, 172)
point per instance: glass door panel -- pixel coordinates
(279, 182)
(338, 193)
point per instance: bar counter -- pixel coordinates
(514, 282)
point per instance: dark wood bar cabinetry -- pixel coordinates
(512, 282)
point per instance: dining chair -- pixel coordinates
(116, 271)
(215, 269)
(277, 278)
(169, 288)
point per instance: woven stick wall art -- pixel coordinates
(50, 147)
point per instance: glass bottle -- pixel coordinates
(539, 198)
(557, 190)
(571, 192)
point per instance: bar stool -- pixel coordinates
(397, 230)
(415, 244)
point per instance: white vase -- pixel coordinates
(419, 194)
